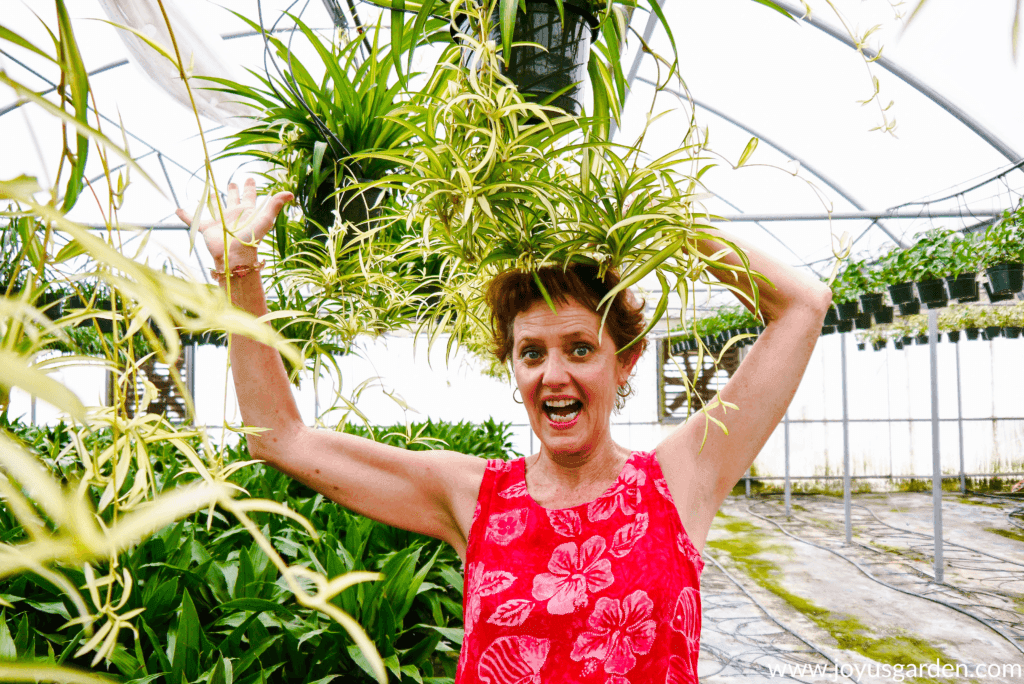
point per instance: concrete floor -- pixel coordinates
(807, 599)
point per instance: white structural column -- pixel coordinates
(846, 444)
(933, 334)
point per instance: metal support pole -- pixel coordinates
(747, 482)
(933, 335)
(960, 421)
(785, 433)
(846, 444)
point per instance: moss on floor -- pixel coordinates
(975, 502)
(1016, 535)
(850, 634)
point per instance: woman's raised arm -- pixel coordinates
(701, 462)
(431, 492)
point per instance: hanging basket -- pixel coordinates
(884, 315)
(972, 333)
(938, 305)
(870, 303)
(993, 331)
(962, 286)
(357, 206)
(1011, 332)
(845, 326)
(931, 291)
(861, 346)
(907, 340)
(1005, 278)
(832, 317)
(879, 345)
(902, 293)
(953, 335)
(862, 322)
(898, 344)
(848, 310)
(910, 308)
(921, 339)
(994, 297)
(828, 329)
(558, 65)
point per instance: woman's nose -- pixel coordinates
(556, 370)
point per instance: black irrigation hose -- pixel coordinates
(867, 574)
(1016, 512)
(771, 617)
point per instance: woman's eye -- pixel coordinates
(581, 350)
(530, 354)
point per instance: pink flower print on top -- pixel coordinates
(629, 534)
(680, 670)
(514, 660)
(511, 613)
(690, 551)
(572, 572)
(662, 486)
(566, 522)
(619, 631)
(624, 494)
(514, 492)
(480, 583)
(686, 619)
(504, 528)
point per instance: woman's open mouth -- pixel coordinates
(562, 412)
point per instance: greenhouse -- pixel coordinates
(722, 300)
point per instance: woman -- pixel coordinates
(582, 560)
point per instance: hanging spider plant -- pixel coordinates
(314, 120)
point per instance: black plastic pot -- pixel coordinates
(845, 326)
(953, 335)
(972, 333)
(993, 331)
(358, 206)
(51, 303)
(828, 329)
(921, 339)
(932, 290)
(1005, 278)
(556, 56)
(967, 300)
(962, 286)
(862, 322)
(993, 297)
(902, 293)
(848, 310)
(898, 344)
(938, 305)
(884, 315)
(870, 303)
(1011, 332)
(910, 308)
(861, 346)
(907, 340)
(832, 317)
(878, 345)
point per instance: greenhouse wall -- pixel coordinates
(889, 403)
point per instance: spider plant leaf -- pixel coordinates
(784, 12)
(544, 292)
(508, 9)
(78, 81)
(747, 151)
(12, 37)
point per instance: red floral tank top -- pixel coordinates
(601, 593)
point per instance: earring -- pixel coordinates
(520, 399)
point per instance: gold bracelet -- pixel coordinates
(239, 271)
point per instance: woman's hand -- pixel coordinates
(246, 225)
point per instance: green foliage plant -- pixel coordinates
(931, 256)
(73, 531)
(313, 118)
(1004, 240)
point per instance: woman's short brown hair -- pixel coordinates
(513, 292)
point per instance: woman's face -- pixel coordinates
(567, 378)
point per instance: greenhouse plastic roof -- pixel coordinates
(796, 84)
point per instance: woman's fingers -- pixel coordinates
(273, 207)
(249, 191)
(232, 194)
(185, 217)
